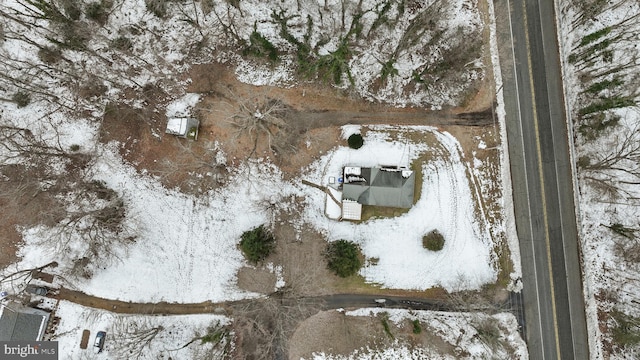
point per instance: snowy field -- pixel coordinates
(447, 204)
(134, 336)
(186, 247)
(457, 329)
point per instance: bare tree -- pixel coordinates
(18, 279)
(96, 225)
(133, 336)
(264, 326)
(262, 119)
(201, 158)
(617, 169)
(214, 344)
(85, 214)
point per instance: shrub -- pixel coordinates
(207, 6)
(21, 99)
(603, 85)
(626, 329)
(417, 329)
(584, 161)
(96, 12)
(157, 7)
(588, 39)
(355, 141)
(122, 43)
(49, 55)
(215, 334)
(343, 257)
(385, 324)
(259, 46)
(72, 9)
(74, 147)
(433, 241)
(388, 70)
(593, 125)
(607, 104)
(257, 244)
(74, 37)
(489, 332)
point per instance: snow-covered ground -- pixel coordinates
(447, 204)
(185, 248)
(457, 329)
(130, 336)
(611, 280)
(194, 239)
(136, 48)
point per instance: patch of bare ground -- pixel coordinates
(300, 252)
(333, 332)
(178, 163)
(483, 96)
(290, 126)
(293, 126)
(258, 280)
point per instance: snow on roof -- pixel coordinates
(183, 127)
(331, 208)
(177, 126)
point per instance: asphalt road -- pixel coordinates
(542, 180)
(360, 300)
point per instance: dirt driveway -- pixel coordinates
(126, 307)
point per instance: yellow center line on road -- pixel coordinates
(540, 170)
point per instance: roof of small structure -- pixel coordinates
(180, 126)
(351, 210)
(22, 323)
(379, 186)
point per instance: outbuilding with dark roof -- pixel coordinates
(22, 323)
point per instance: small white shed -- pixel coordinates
(183, 127)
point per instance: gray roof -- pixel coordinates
(381, 188)
(22, 324)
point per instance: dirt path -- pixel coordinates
(328, 118)
(124, 307)
(164, 308)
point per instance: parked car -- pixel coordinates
(37, 290)
(98, 344)
(380, 302)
